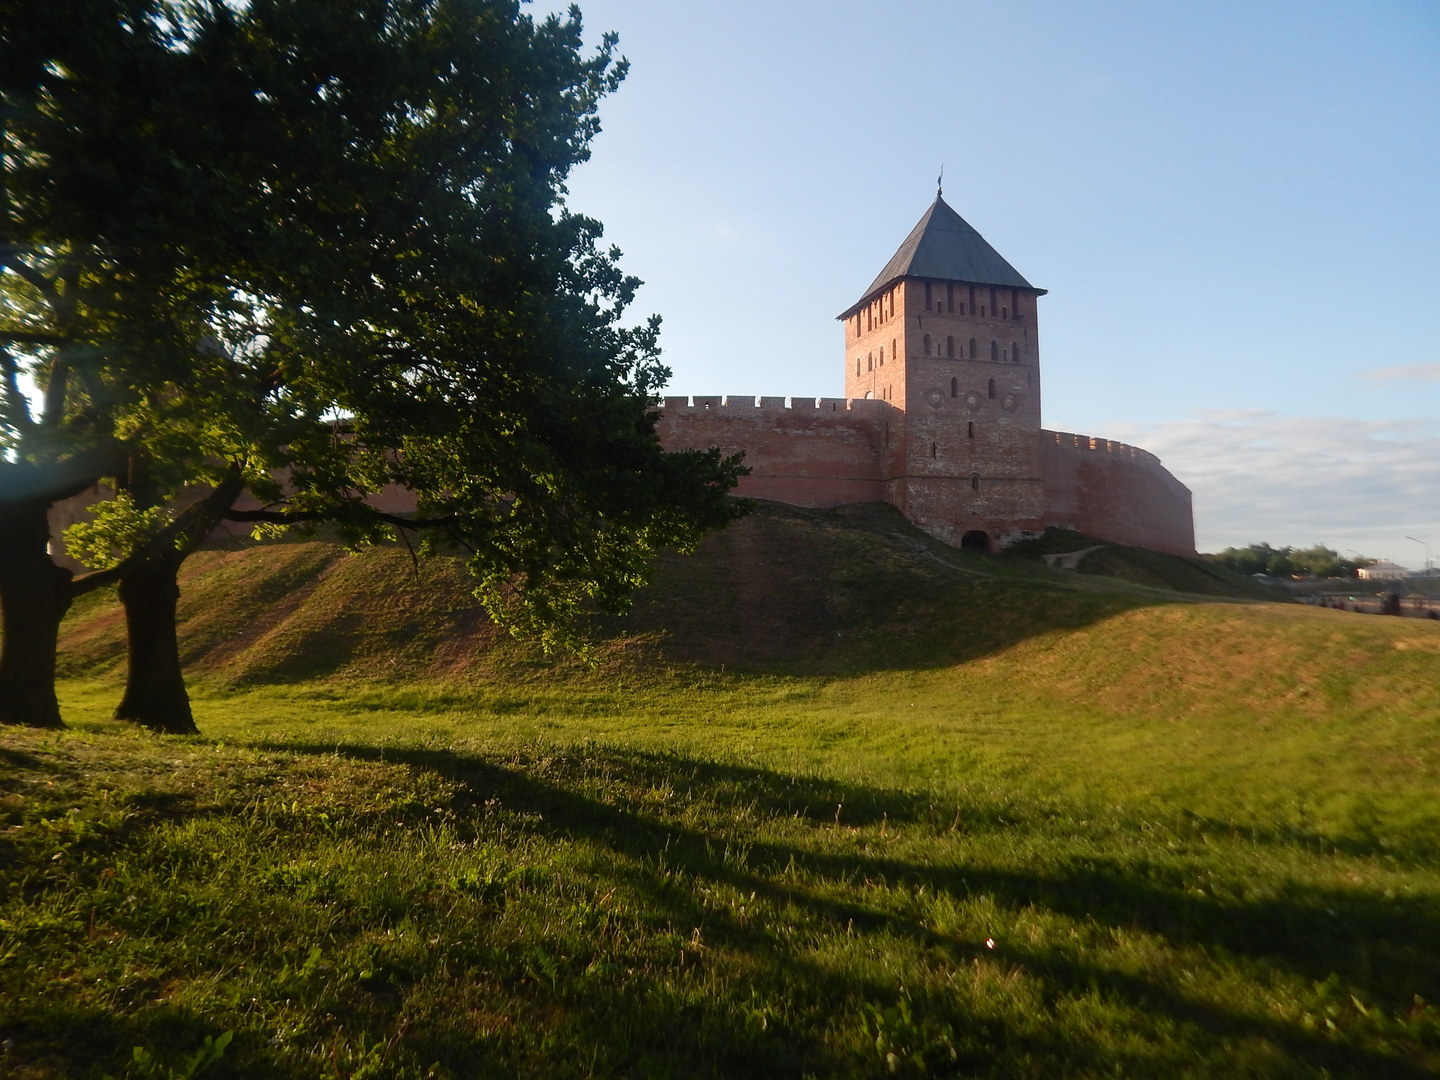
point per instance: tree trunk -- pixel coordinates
(155, 694)
(34, 596)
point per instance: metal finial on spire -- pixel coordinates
(939, 181)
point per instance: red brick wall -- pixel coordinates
(833, 451)
(1115, 492)
(810, 453)
(874, 346)
(967, 456)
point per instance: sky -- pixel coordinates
(1232, 205)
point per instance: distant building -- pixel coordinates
(1382, 571)
(941, 414)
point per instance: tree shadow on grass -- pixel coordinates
(23, 759)
(1380, 947)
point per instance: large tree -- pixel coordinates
(290, 253)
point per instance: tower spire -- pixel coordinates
(939, 181)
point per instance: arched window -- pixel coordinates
(974, 481)
(1015, 352)
(972, 354)
(954, 387)
(950, 346)
(970, 430)
(870, 362)
(994, 353)
(992, 388)
(927, 344)
(857, 365)
(882, 355)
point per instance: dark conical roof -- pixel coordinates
(945, 246)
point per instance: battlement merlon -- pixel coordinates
(1104, 446)
(752, 405)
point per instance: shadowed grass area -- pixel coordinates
(727, 877)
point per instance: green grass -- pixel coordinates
(711, 875)
(838, 801)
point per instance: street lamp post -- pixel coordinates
(1426, 546)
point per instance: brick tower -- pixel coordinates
(946, 334)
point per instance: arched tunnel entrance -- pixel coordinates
(975, 540)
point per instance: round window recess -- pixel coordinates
(935, 398)
(972, 399)
(1008, 402)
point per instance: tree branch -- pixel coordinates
(182, 536)
(33, 339)
(300, 517)
(24, 482)
(10, 258)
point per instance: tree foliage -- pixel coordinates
(267, 260)
(1315, 561)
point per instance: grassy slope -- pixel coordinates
(868, 806)
(785, 591)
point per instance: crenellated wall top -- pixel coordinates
(1071, 441)
(749, 404)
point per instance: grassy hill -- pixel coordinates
(787, 590)
(838, 801)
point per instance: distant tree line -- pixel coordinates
(1317, 561)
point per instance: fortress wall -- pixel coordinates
(948, 507)
(1115, 492)
(809, 452)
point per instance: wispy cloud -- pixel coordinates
(1263, 476)
(722, 233)
(1403, 373)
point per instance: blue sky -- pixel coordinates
(1233, 207)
